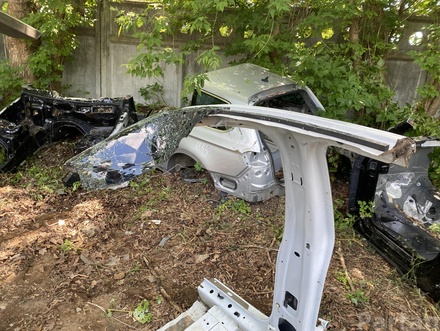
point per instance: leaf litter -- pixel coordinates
(125, 270)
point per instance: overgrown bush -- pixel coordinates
(57, 20)
(10, 83)
(338, 49)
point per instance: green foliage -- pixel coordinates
(358, 297)
(342, 278)
(57, 20)
(435, 228)
(359, 93)
(279, 233)
(142, 312)
(333, 161)
(10, 85)
(343, 220)
(152, 93)
(193, 83)
(434, 168)
(198, 166)
(155, 27)
(140, 184)
(337, 48)
(209, 59)
(150, 27)
(137, 268)
(67, 246)
(76, 186)
(46, 179)
(235, 206)
(426, 125)
(366, 209)
(428, 59)
(3, 155)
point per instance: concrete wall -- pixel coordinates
(404, 76)
(98, 65)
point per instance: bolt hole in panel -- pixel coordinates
(215, 294)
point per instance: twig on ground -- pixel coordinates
(259, 247)
(161, 289)
(344, 266)
(106, 314)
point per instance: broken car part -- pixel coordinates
(405, 224)
(242, 161)
(306, 248)
(40, 116)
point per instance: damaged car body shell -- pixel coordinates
(406, 213)
(242, 161)
(40, 116)
(306, 248)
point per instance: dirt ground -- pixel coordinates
(89, 260)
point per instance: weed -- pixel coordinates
(45, 178)
(366, 209)
(140, 182)
(276, 228)
(137, 268)
(16, 178)
(198, 166)
(142, 210)
(164, 194)
(342, 278)
(10, 87)
(333, 161)
(68, 245)
(410, 275)
(152, 93)
(3, 156)
(343, 220)
(279, 232)
(434, 228)
(238, 206)
(241, 206)
(76, 186)
(358, 297)
(142, 312)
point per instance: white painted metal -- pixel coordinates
(307, 245)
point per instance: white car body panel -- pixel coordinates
(238, 160)
(307, 245)
(237, 83)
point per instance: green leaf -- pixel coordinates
(142, 312)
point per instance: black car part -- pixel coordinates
(405, 225)
(40, 116)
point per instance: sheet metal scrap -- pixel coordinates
(406, 212)
(403, 149)
(41, 116)
(135, 150)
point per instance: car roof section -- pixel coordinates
(239, 83)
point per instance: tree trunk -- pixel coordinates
(354, 38)
(432, 106)
(19, 50)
